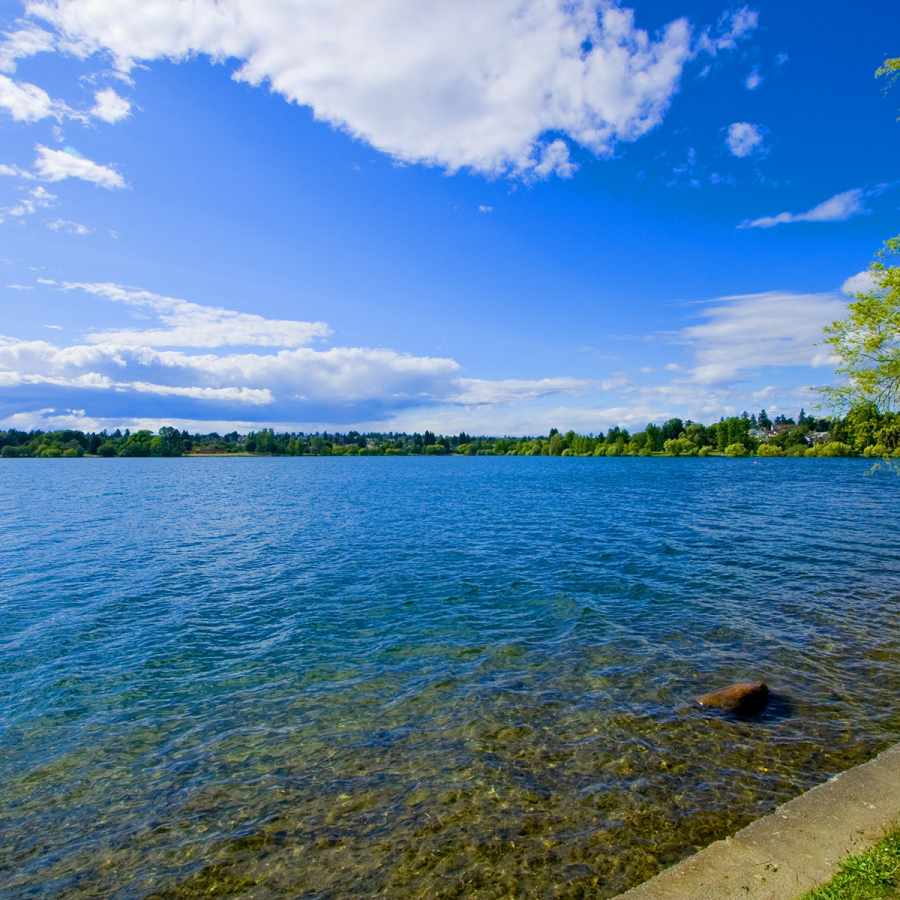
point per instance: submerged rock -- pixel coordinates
(744, 698)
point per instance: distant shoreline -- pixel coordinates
(247, 455)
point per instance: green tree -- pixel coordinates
(890, 71)
(768, 450)
(867, 341)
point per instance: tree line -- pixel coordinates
(866, 343)
(863, 431)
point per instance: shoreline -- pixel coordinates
(870, 460)
(794, 849)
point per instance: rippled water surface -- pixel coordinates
(424, 677)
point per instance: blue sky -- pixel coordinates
(492, 217)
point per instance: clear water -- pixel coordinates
(424, 677)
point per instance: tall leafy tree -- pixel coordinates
(867, 341)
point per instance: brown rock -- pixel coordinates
(744, 698)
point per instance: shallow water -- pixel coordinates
(425, 677)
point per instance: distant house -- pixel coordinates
(765, 434)
(816, 437)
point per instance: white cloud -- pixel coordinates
(35, 199)
(132, 373)
(478, 391)
(51, 419)
(738, 24)
(835, 209)
(485, 209)
(27, 102)
(110, 107)
(744, 138)
(253, 396)
(292, 384)
(70, 227)
(57, 165)
(194, 325)
(770, 390)
(753, 331)
(497, 87)
(27, 41)
(861, 283)
(15, 172)
(753, 80)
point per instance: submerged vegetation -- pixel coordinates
(864, 431)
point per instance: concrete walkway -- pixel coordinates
(796, 848)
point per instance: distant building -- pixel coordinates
(764, 434)
(816, 437)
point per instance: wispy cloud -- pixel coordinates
(749, 332)
(753, 80)
(58, 165)
(835, 209)
(193, 324)
(69, 227)
(27, 102)
(22, 43)
(14, 172)
(35, 199)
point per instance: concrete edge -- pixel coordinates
(797, 847)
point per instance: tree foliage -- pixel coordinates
(865, 430)
(867, 341)
(890, 71)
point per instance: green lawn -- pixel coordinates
(869, 876)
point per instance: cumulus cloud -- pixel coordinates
(177, 369)
(341, 383)
(58, 165)
(753, 331)
(744, 138)
(835, 209)
(110, 107)
(499, 88)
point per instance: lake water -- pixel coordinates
(457, 677)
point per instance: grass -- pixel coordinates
(874, 875)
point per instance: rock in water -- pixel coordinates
(745, 698)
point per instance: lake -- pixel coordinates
(425, 677)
